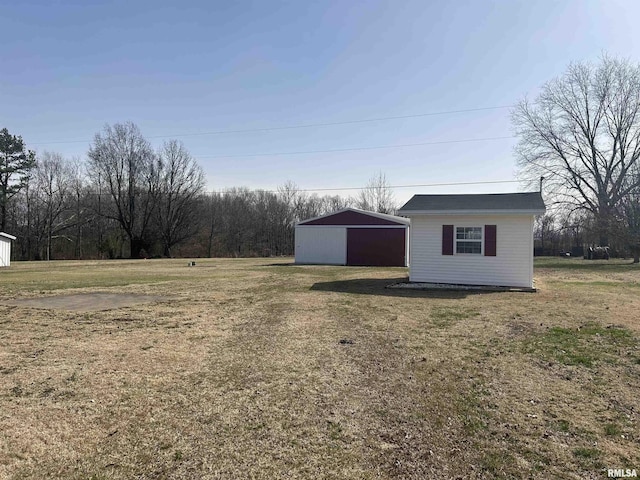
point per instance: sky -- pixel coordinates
(205, 72)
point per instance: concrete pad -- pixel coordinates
(85, 302)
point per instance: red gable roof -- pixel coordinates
(356, 217)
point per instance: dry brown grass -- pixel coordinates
(263, 370)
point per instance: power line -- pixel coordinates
(346, 122)
(415, 185)
(405, 145)
(390, 186)
(307, 125)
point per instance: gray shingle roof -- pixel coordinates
(499, 202)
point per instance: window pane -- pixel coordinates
(469, 247)
(474, 233)
(468, 233)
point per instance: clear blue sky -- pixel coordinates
(70, 67)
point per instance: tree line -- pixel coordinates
(127, 200)
(579, 142)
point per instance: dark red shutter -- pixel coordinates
(490, 240)
(447, 239)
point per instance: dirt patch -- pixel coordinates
(85, 302)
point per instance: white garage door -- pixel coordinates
(321, 245)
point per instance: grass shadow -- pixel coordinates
(377, 286)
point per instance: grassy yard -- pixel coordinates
(256, 368)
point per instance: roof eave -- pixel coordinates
(408, 213)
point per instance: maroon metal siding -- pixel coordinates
(351, 218)
(376, 247)
(490, 240)
(447, 239)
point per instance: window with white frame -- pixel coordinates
(469, 240)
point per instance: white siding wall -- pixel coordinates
(512, 265)
(321, 245)
(5, 252)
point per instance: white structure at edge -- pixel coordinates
(5, 249)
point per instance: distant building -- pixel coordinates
(5, 249)
(473, 239)
(353, 237)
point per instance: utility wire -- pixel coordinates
(387, 187)
(329, 124)
(308, 125)
(229, 190)
(405, 145)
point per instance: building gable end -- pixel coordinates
(350, 217)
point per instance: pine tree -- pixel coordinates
(15, 165)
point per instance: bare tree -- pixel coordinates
(53, 186)
(289, 193)
(79, 218)
(543, 230)
(629, 217)
(213, 204)
(630, 224)
(237, 222)
(582, 134)
(180, 185)
(377, 196)
(124, 160)
(333, 203)
(21, 209)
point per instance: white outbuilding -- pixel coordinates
(482, 239)
(353, 237)
(5, 249)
